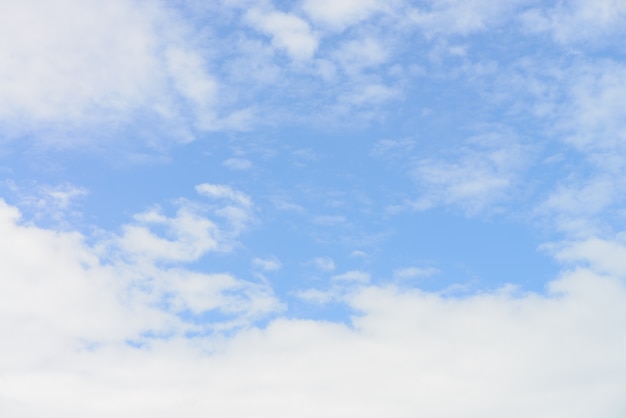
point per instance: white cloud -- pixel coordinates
(462, 16)
(579, 20)
(219, 191)
(288, 32)
(386, 147)
(407, 353)
(330, 220)
(189, 235)
(413, 272)
(324, 263)
(359, 254)
(368, 95)
(61, 58)
(267, 264)
(603, 255)
(481, 175)
(359, 54)
(589, 120)
(192, 81)
(239, 164)
(69, 295)
(593, 118)
(356, 276)
(339, 14)
(69, 65)
(48, 202)
(577, 208)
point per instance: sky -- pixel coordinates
(312, 208)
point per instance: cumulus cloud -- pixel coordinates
(70, 295)
(405, 352)
(607, 256)
(71, 65)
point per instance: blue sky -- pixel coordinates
(347, 208)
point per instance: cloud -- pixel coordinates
(480, 176)
(330, 220)
(239, 164)
(589, 122)
(393, 147)
(287, 31)
(339, 15)
(356, 55)
(405, 353)
(368, 95)
(592, 119)
(578, 208)
(218, 191)
(578, 20)
(48, 202)
(189, 236)
(607, 256)
(413, 272)
(324, 263)
(70, 66)
(358, 253)
(70, 295)
(267, 264)
(462, 17)
(352, 276)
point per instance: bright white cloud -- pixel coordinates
(97, 65)
(406, 353)
(60, 58)
(603, 255)
(190, 233)
(61, 296)
(189, 236)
